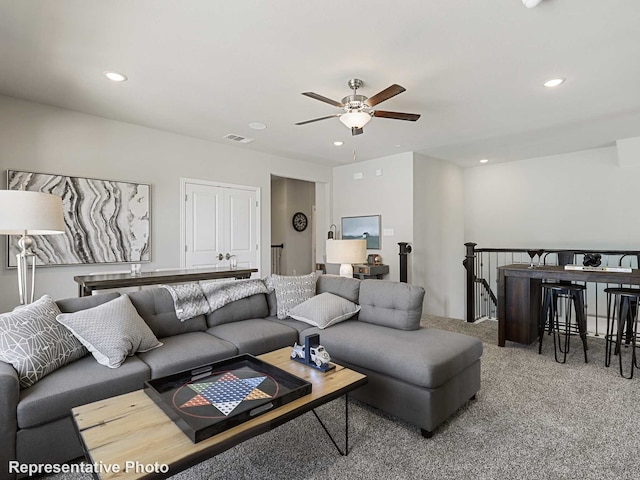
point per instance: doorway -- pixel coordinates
(219, 221)
(290, 198)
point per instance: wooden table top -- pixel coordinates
(132, 433)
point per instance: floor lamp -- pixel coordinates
(29, 213)
(346, 252)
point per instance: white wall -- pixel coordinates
(44, 139)
(581, 200)
(439, 235)
(389, 195)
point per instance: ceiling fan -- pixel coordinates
(357, 108)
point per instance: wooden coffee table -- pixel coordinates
(129, 436)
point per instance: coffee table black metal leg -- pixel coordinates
(346, 428)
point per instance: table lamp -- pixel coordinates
(346, 252)
(29, 213)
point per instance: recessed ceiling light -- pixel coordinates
(257, 126)
(338, 143)
(115, 76)
(554, 82)
(484, 160)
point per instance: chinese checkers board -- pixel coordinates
(210, 399)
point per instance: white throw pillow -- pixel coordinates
(292, 291)
(34, 343)
(111, 331)
(324, 310)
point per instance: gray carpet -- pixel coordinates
(533, 418)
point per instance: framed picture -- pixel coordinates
(106, 221)
(365, 227)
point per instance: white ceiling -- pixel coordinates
(473, 68)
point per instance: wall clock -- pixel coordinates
(299, 221)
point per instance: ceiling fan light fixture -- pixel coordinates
(355, 119)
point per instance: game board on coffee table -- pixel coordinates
(210, 399)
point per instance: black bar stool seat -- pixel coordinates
(622, 325)
(573, 294)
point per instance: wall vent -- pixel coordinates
(238, 138)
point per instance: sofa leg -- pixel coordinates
(426, 433)
(473, 398)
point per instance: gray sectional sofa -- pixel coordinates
(418, 374)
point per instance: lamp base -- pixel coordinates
(346, 270)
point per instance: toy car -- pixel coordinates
(319, 355)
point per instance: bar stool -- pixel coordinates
(574, 297)
(622, 325)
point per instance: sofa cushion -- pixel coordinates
(391, 304)
(344, 287)
(78, 383)
(254, 306)
(426, 357)
(156, 307)
(291, 291)
(297, 325)
(34, 343)
(324, 310)
(256, 336)
(111, 331)
(186, 351)
(70, 305)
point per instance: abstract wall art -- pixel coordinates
(106, 221)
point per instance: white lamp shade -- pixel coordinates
(346, 251)
(30, 213)
(355, 119)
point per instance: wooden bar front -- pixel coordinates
(519, 296)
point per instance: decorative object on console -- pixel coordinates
(373, 259)
(299, 221)
(331, 235)
(364, 227)
(346, 253)
(97, 214)
(29, 213)
(34, 343)
(592, 260)
(312, 353)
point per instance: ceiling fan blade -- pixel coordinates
(318, 119)
(385, 94)
(356, 131)
(323, 99)
(412, 117)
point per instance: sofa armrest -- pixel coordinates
(9, 395)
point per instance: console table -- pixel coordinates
(88, 283)
(519, 296)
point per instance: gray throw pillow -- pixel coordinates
(111, 331)
(34, 343)
(292, 291)
(324, 310)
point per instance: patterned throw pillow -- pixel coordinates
(324, 310)
(292, 291)
(218, 294)
(34, 343)
(111, 331)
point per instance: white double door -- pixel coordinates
(220, 221)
